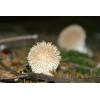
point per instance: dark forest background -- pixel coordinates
(49, 24)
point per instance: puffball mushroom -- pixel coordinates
(73, 38)
(43, 58)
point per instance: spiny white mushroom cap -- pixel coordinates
(73, 38)
(43, 58)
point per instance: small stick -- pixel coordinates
(17, 38)
(44, 78)
(35, 78)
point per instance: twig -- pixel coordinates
(35, 78)
(44, 78)
(92, 79)
(12, 39)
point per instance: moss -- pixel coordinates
(82, 71)
(97, 72)
(77, 58)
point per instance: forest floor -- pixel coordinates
(74, 67)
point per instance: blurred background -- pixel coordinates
(49, 27)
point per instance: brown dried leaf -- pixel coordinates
(6, 74)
